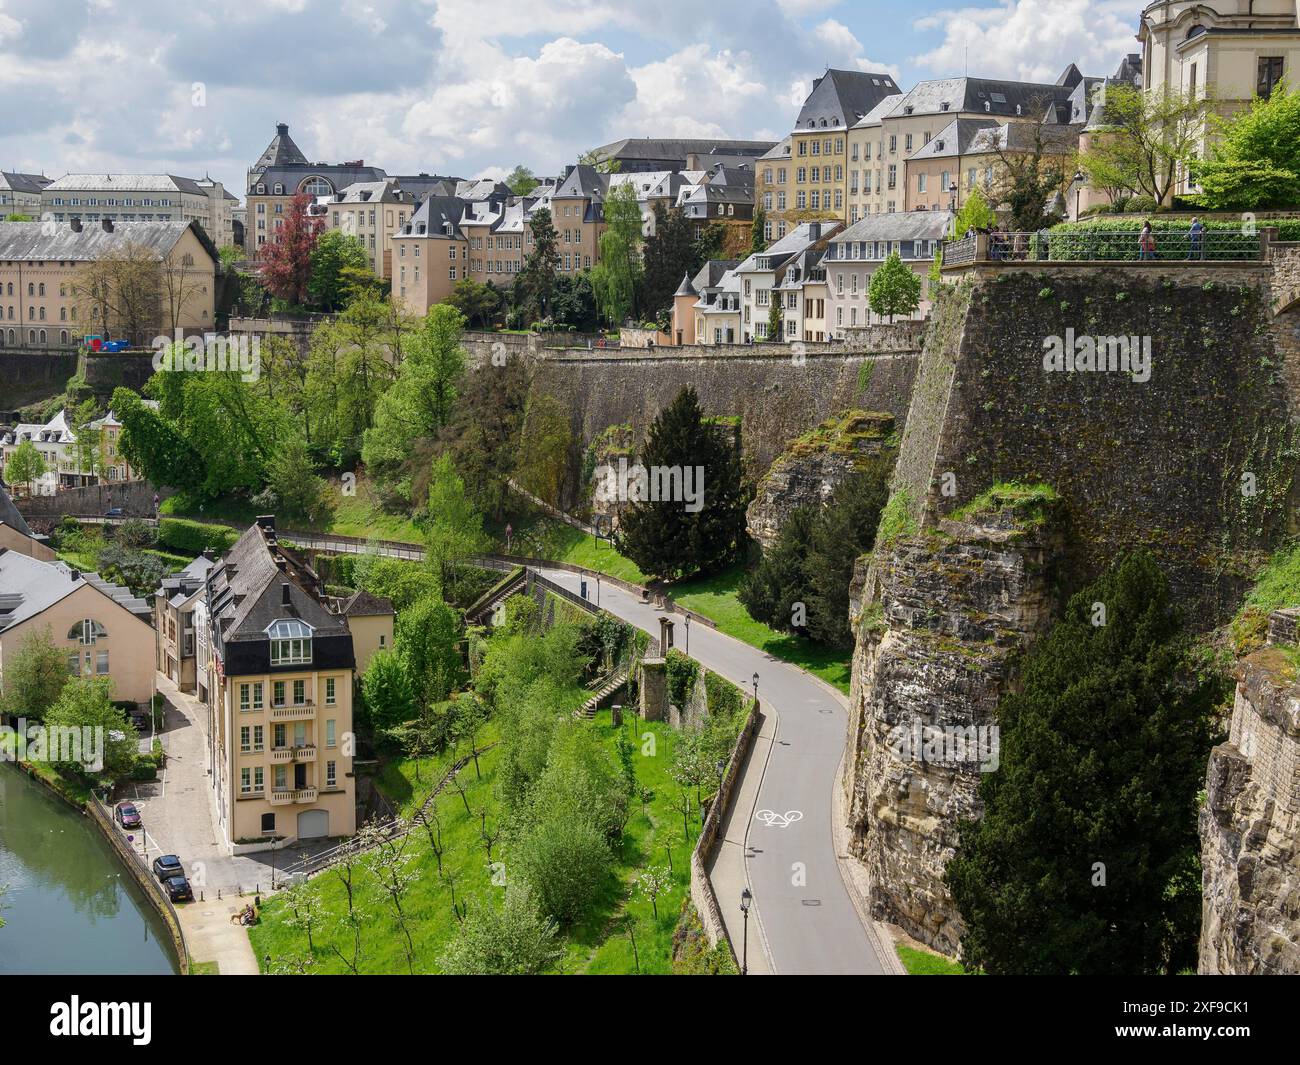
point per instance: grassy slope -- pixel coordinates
(923, 963)
(598, 945)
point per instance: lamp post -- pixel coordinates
(597, 589)
(745, 899)
(1078, 188)
(688, 634)
(756, 687)
(953, 192)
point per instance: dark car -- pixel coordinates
(127, 815)
(178, 889)
(166, 866)
(114, 512)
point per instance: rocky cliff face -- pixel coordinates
(945, 616)
(1250, 824)
(813, 466)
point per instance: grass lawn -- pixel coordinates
(600, 944)
(362, 515)
(923, 963)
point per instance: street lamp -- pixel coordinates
(1078, 188)
(688, 634)
(597, 589)
(756, 687)
(953, 191)
(745, 899)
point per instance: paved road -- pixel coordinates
(805, 914)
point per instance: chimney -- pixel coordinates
(76, 225)
(76, 575)
(266, 521)
(284, 595)
(107, 224)
(282, 128)
(814, 231)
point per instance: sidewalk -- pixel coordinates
(727, 871)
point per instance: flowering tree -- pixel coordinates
(287, 257)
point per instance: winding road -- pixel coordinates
(805, 916)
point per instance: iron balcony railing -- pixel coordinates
(1121, 245)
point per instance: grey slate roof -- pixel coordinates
(954, 139)
(432, 218)
(281, 151)
(873, 117)
(841, 98)
(710, 274)
(366, 604)
(979, 95)
(657, 149)
(9, 513)
(583, 180)
(901, 225)
(31, 183)
(126, 183)
(27, 240)
(28, 587)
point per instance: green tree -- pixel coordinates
(154, 446)
(771, 589)
(758, 231)
(894, 288)
(671, 251)
(1255, 160)
(34, 677)
(775, 330)
(478, 302)
(975, 213)
(453, 524)
(87, 703)
(294, 489)
(565, 862)
(701, 530)
(426, 638)
(333, 253)
(535, 283)
(25, 466)
(1087, 857)
(521, 180)
(389, 699)
(616, 277)
(512, 939)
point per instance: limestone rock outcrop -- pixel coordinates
(1250, 823)
(813, 466)
(946, 613)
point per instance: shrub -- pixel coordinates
(564, 860)
(194, 537)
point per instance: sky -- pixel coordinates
(474, 87)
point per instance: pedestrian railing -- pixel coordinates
(959, 252)
(1103, 245)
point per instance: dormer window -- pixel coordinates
(290, 642)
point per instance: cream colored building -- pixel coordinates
(129, 198)
(43, 299)
(371, 211)
(103, 629)
(279, 676)
(430, 255)
(1230, 51)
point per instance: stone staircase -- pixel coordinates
(606, 688)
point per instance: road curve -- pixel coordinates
(804, 910)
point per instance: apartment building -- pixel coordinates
(174, 603)
(730, 205)
(21, 193)
(1230, 51)
(103, 629)
(280, 173)
(279, 682)
(854, 254)
(761, 275)
(883, 142)
(44, 302)
(802, 291)
(971, 153)
(72, 459)
(819, 142)
(773, 190)
(371, 211)
(578, 213)
(647, 154)
(130, 198)
(430, 254)
(706, 308)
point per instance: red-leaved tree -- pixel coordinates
(286, 257)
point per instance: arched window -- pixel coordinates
(31, 289)
(279, 189)
(41, 286)
(261, 188)
(87, 632)
(42, 336)
(316, 186)
(63, 336)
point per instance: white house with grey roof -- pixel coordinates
(854, 254)
(761, 274)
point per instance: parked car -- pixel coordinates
(166, 866)
(178, 889)
(114, 512)
(127, 815)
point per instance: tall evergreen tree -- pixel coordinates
(535, 282)
(771, 590)
(1087, 857)
(663, 536)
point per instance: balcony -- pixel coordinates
(281, 754)
(289, 796)
(294, 712)
(305, 753)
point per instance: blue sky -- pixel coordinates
(472, 87)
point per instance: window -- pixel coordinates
(290, 641)
(101, 663)
(245, 739)
(245, 781)
(277, 693)
(74, 663)
(1270, 73)
(257, 695)
(280, 777)
(259, 779)
(258, 737)
(329, 691)
(243, 696)
(268, 824)
(87, 632)
(920, 182)
(330, 735)
(331, 775)
(299, 692)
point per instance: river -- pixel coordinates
(70, 907)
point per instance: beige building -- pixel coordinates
(45, 280)
(104, 630)
(578, 214)
(16, 535)
(1231, 51)
(371, 211)
(706, 308)
(279, 678)
(174, 605)
(129, 198)
(430, 254)
(773, 192)
(854, 254)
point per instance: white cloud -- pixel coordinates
(1032, 40)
